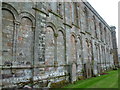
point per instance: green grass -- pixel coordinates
(109, 80)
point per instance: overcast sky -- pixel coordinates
(108, 10)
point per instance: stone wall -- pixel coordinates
(51, 42)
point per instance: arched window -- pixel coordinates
(7, 35)
(49, 46)
(68, 12)
(60, 48)
(86, 18)
(94, 21)
(100, 26)
(25, 41)
(105, 34)
(75, 12)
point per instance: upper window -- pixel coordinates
(100, 26)
(94, 21)
(75, 13)
(86, 17)
(105, 33)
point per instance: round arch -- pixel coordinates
(27, 15)
(74, 35)
(6, 6)
(62, 30)
(50, 24)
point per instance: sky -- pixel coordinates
(108, 10)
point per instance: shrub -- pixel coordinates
(59, 84)
(81, 77)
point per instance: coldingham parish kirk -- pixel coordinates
(43, 44)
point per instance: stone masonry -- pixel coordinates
(47, 42)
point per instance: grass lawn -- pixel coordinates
(109, 80)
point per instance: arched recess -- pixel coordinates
(7, 35)
(25, 39)
(49, 46)
(79, 54)
(9, 16)
(73, 57)
(61, 48)
(73, 48)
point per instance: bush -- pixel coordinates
(59, 84)
(81, 77)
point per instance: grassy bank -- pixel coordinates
(109, 80)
